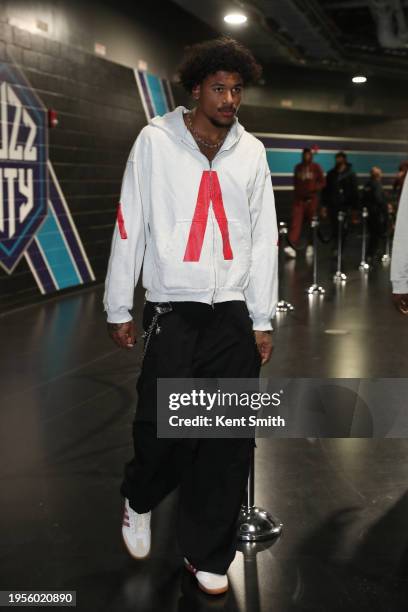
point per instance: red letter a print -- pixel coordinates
(209, 191)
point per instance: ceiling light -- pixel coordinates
(359, 78)
(235, 18)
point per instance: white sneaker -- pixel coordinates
(136, 532)
(213, 584)
(309, 251)
(290, 252)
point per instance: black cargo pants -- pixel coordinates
(195, 341)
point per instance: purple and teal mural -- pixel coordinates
(284, 152)
(35, 221)
(155, 93)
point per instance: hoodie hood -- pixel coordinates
(173, 124)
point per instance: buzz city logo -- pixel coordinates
(23, 173)
(35, 220)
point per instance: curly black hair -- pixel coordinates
(222, 53)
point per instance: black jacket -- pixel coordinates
(373, 197)
(341, 191)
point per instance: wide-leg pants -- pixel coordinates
(198, 341)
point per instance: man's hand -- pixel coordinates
(123, 334)
(323, 212)
(264, 343)
(401, 302)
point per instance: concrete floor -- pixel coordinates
(68, 398)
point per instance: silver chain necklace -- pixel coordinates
(200, 140)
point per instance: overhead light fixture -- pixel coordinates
(235, 18)
(359, 78)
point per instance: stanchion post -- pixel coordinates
(387, 255)
(315, 287)
(363, 264)
(283, 305)
(256, 524)
(339, 275)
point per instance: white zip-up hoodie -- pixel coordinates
(205, 232)
(399, 260)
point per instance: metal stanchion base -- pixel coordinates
(339, 277)
(256, 524)
(284, 306)
(315, 288)
(364, 266)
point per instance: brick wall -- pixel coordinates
(100, 114)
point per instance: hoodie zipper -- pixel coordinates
(213, 237)
(212, 217)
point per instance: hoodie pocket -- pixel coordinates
(175, 273)
(234, 273)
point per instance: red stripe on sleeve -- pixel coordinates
(121, 222)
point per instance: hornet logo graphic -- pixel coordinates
(23, 171)
(35, 221)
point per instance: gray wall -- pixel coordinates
(155, 31)
(100, 114)
(327, 91)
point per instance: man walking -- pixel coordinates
(197, 210)
(308, 182)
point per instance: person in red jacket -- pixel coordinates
(308, 182)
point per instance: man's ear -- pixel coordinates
(195, 92)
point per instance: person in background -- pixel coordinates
(399, 181)
(375, 200)
(308, 182)
(340, 193)
(399, 261)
